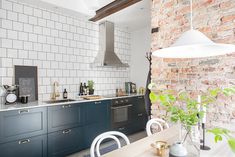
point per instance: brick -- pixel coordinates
(228, 18)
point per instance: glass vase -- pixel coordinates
(190, 138)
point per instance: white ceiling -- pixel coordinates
(134, 17)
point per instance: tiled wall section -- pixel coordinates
(215, 19)
(61, 46)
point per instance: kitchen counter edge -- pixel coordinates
(36, 104)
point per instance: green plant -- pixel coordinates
(181, 107)
(219, 133)
(90, 84)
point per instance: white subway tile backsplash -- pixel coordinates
(6, 43)
(37, 12)
(23, 18)
(7, 5)
(28, 28)
(17, 26)
(28, 10)
(17, 8)
(12, 53)
(33, 20)
(17, 44)
(62, 46)
(28, 45)
(12, 16)
(12, 34)
(6, 24)
(46, 14)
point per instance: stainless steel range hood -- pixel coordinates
(106, 56)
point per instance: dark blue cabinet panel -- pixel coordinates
(140, 116)
(98, 111)
(64, 116)
(97, 120)
(93, 130)
(64, 142)
(18, 124)
(29, 147)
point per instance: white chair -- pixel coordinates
(157, 121)
(95, 146)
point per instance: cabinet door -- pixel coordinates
(65, 142)
(93, 130)
(29, 147)
(97, 120)
(64, 116)
(22, 123)
(98, 111)
(140, 115)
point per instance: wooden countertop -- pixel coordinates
(142, 148)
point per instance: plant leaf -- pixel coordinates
(153, 97)
(231, 143)
(218, 138)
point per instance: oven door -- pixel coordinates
(121, 115)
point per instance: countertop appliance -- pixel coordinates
(121, 112)
(10, 94)
(130, 87)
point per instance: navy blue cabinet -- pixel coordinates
(54, 131)
(19, 124)
(28, 147)
(64, 116)
(97, 111)
(140, 117)
(65, 142)
(97, 120)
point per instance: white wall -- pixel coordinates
(62, 46)
(140, 44)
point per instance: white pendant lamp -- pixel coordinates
(194, 44)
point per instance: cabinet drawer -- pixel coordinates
(22, 123)
(29, 147)
(64, 142)
(64, 116)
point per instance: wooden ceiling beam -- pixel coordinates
(112, 8)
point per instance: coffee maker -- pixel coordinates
(10, 96)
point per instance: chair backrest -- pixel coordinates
(95, 146)
(159, 122)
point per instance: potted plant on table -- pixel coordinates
(91, 87)
(181, 108)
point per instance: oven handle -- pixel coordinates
(113, 108)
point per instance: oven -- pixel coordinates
(121, 112)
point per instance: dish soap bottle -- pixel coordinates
(65, 94)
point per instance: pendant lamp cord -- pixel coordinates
(191, 14)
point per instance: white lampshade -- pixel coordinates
(194, 44)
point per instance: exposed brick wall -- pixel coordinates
(216, 19)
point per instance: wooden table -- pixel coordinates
(142, 148)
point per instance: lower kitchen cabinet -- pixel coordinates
(65, 116)
(23, 123)
(65, 142)
(93, 130)
(140, 114)
(28, 147)
(97, 120)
